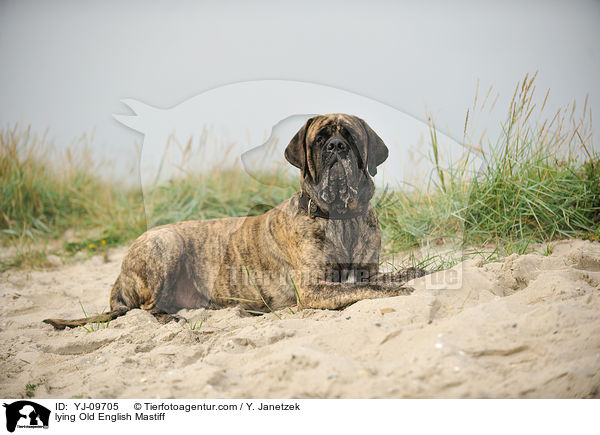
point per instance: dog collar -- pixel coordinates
(314, 211)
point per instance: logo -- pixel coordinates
(26, 414)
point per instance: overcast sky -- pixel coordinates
(67, 64)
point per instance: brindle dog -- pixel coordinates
(318, 249)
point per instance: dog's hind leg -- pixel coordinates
(129, 291)
(164, 317)
(148, 273)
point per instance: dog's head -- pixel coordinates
(337, 155)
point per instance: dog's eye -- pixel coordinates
(320, 140)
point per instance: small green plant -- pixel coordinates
(93, 326)
(194, 326)
(298, 300)
(549, 249)
(30, 390)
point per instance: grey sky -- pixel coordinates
(66, 64)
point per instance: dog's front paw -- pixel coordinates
(405, 275)
(405, 290)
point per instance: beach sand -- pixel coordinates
(527, 326)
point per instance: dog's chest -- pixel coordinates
(348, 241)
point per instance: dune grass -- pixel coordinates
(220, 193)
(45, 192)
(540, 183)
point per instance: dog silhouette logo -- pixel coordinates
(26, 414)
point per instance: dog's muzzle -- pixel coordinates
(338, 184)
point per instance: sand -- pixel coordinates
(527, 326)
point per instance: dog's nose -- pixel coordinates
(338, 145)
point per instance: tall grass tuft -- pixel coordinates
(540, 182)
(44, 192)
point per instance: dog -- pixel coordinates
(318, 249)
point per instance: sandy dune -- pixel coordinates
(525, 327)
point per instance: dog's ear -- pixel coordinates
(296, 152)
(374, 152)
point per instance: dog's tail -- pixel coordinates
(106, 317)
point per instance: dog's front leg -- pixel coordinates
(335, 295)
